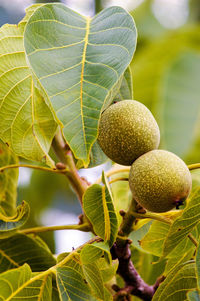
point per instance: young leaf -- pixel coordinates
(184, 224)
(20, 284)
(80, 65)
(177, 284)
(20, 249)
(27, 124)
(9, 224)
(99, 208)
(8, 181)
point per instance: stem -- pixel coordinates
(33, 167)
(194, 166)
(65, 155)
(113, 172)
(154, 216)
(98, 6)
(118, 179)
(83, 227)
(128, 220)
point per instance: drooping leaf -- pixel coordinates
(20, 284)
(184, 224)
(9, 224)
(8, 181)
(92, 252)
(177, 284)
(99, 208)
(94, 278)
(80, 65)
(20, 249)
(27, 124)
(71, 282)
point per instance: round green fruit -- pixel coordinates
(127, 130)
(159, 181)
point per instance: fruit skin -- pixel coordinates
(127, 130)
(160, 180)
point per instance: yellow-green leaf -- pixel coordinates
(20, 284)
(20, 249)
(177, 284)
(8, 181)
(184, 224)
(80, 65)
(27, 124)
(99, 208)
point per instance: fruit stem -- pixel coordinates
(194, 166)
(154, 216)
(118, 179)
(113, 172)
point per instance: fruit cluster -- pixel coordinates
(129, 135)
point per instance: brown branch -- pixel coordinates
(134, 284)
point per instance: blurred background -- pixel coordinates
(166, 78)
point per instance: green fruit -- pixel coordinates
(127, 130)
(160, 180)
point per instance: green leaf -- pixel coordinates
(20, 249)
(138, 235)
(94, 278)
(80, 65)
(126, 88)
(27, 124)
(177, 284)
(9, 224)
(154, 239)
(8, 181)
(108, 271)
(184, 224)
(71, 282)
(99, 208)
(92, 252)
(18, 284)
(193, 296)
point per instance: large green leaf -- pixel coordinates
(8, 181)
(19, 284)
(184, 224)
(197, 259)
(80, 65)
(27, 124)
(20, 249)
(99, 208)
(10, 224)
(177, 284)
(71, 282)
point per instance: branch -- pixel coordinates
(134, 284)
(65, 155)
(83, 227)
